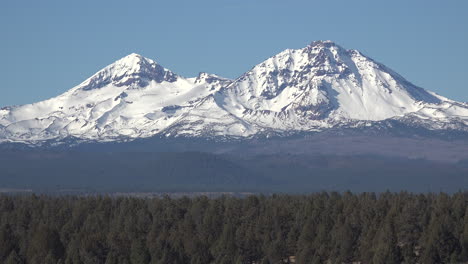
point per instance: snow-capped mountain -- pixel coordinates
(324, 85)
(318, 87)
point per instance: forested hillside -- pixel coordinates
(317, 228)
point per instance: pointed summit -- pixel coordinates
(133, 55)
(134, 60)
(324, 44)
(327, 43)
(132, 70)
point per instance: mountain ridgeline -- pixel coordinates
(314, 89)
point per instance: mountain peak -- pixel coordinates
(132, 70)
(133, 54)
(323, 81)
(323, 43)
(134, 62)
(134, 57)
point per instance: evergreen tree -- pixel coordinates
(306, 251)
(7, 241)
(45, 242)
(225, 249)
(386, 248)
(139, 253)
(464, 239)
(13, 258)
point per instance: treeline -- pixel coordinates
(317, 228)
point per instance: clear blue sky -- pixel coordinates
(50, 46)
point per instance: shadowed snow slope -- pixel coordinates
(312, 89)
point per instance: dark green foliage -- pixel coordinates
(13, 258)
(318, 228)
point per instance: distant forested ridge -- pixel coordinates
(316, 228)
(47, 171)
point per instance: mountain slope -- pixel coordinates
(133, 97)
(324, 85)
(318, 87)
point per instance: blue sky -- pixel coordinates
(50, 46)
